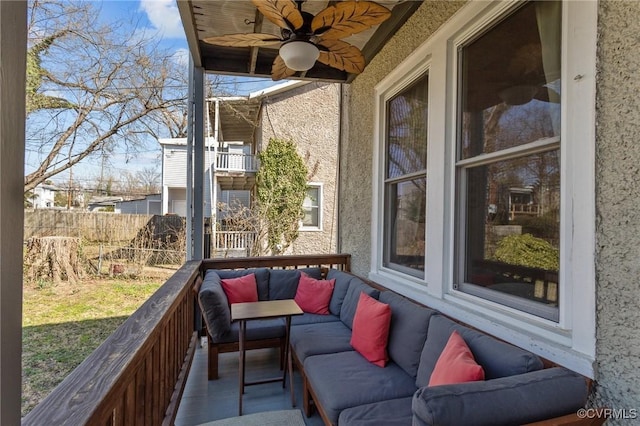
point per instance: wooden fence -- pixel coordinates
(95, 226)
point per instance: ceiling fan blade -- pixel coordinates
(348, 18)
(342, 56)
(279, 70)
(283, 13)
(244, 40)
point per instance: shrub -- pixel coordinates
(527, 250)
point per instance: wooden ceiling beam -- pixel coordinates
(257, 28)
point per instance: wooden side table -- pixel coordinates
(243, 312)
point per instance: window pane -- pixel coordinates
(510, 81)
(513, 227)
(407, 130)
(405, 227)
(310, 217)
(310, 206)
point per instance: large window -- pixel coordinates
(405, 179)
(508, 220)
(508, 161)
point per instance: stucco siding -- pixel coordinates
(310, 116)
(357, 149)
(618, 216)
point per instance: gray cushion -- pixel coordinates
(348, 309)
(308, 318)
(346, 379)
(497, 358)
(408, 332)
(393, 412)
(215, 307)
(262, 279)
(339, 290)
(283, 283)
(257, 330)
(520, 399)
(315, 339)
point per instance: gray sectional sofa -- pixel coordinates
(223, 334)
(346, 389)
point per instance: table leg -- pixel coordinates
(242, 326)
(289, 362)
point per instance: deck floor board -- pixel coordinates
(206, 400)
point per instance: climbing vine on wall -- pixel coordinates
(281, 185)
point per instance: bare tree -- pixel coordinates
(149, 179)
(92, 86)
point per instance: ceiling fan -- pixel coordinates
(305, 38)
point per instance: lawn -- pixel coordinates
(63, 324)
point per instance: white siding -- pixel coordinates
(174, 173)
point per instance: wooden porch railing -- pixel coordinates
(326, 261)
(138, 374)
(524, 209)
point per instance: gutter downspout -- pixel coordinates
(341, 118)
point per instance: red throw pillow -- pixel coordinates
(313, 296)
(370, 330)
(241, 289)
(456, 364)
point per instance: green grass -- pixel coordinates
(63, 324)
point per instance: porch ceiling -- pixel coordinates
(236, 181)
(207, 18)
(238, 119)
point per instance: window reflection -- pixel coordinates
(510, 86)
(407, 131)
(405, 181)
(511, 82)
(406, 213)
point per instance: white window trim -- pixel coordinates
(318, 228)
(571, 341)
(384, 92)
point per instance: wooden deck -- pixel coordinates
(204, 400)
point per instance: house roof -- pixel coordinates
(207, 18)
(239, 115)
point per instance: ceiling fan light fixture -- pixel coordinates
(299, 55)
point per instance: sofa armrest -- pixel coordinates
(519, 399)
(215, 307)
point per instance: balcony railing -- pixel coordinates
(234, 162)
(138, 374)
(234, 240)
(524, 209)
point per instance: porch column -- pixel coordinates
(13, 44)
(189, 171)
(198, 166)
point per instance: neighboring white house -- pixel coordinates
(43, 196)
(240, 127)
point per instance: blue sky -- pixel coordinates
(162, 19)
